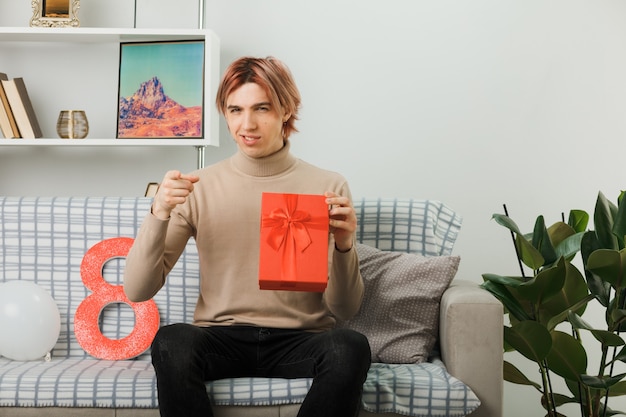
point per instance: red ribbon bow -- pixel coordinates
(288, 226)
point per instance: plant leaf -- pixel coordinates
(560, 231)
(621, 355)
(578, 220)
(568, 247)
(574, 295)
(606, 264)
(600, 289)
(567, 357)
(509, 302)
(603, 382)
(619, 224)
(603, 216)
(545, 284)
(530, 339)
(507, 222)
(558, 400)
(515, 376)
(618, 389)
(559, 318)
(618, 316)
(603, 336)
(542, 242)
(524, 249)
(507, 281)
(528, 254)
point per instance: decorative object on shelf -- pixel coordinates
(161, 90)
(29, 319)
(151, 189)
(22, 108)
(8, 125)
(72, 124)
(55, 13)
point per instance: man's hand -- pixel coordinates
(342, 220)
(173, 190)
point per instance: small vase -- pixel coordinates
(72, 124)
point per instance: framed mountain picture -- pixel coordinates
(161, 90)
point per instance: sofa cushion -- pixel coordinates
(417, 390)
(413, 390)
(77, 382)
(400, 310)
(422, 227)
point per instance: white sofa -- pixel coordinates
(44, 240)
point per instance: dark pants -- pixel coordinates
(185, 356)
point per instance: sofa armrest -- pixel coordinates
(471, 341)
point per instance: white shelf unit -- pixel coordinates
(81, 66)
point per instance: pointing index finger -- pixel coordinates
(188, 177)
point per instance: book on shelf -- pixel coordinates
(8, 126)
(22, 108)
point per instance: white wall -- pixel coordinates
(476, 103)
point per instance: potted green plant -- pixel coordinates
(545, 306)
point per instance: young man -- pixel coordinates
(240, 330)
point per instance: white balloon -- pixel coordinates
(30, 321)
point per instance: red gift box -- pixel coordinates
(294, 242)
